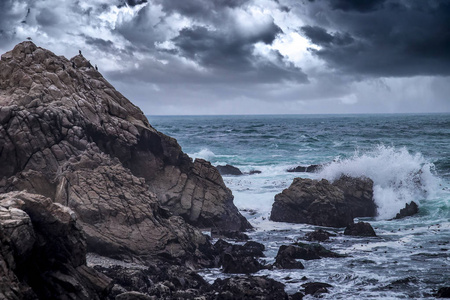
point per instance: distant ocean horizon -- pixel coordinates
(406, 155)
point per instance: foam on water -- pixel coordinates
(399, 177)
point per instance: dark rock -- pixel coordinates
(252, 287)
(409, 210)
(318, 235)
(287, 255)
(69, 135)
(229, 170)
(133, 296)
(323, 203)
(360, 229)
(252, 172)
(443, 292)
(315, 288)
(296, 296)
(240, 258)
(53, 263)
(309, 169)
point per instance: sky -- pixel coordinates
(172, 57)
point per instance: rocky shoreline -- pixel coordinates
(97, 204)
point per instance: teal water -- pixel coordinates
(407, 156)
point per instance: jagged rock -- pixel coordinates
(318, 235)
(309, 169)
(67, 134)
(360, 229)
(239, 258)
(133, 296)
(409, 210)
(46, 251)
(252, 287)
(229, 170)
(323, 203)
(287, 255)
(316, 288)
(443, 292)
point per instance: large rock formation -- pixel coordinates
(43, 252)
(67, 134)
(323, 203)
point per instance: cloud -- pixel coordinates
(383, 38)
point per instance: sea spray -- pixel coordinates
(399, 177)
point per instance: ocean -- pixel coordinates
(407, 157)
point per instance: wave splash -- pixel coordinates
(399, 177)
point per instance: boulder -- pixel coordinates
(360, 229)
(409, 210)
(316, 288)
(295, 251)
(45, 251)
(239, 258)
(229, 170)
(323, 203)
(318, 235)
(303, 169)
(67, 134)
(250, 287)
(443, 292)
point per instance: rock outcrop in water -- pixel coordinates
(67, 134)
(323, 203)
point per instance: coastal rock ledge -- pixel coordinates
(68, 135)
(324, 203)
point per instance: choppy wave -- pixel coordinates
(399, 177)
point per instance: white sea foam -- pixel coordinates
(399, 176)
(204, 153)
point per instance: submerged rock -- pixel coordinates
(251, 287)
(229, 170)
(409, 210)
(240, 258)
(67, 134)
(360, 229)
(323, 203)
(443, 292)
(316, 288)
(318, 235)
(302, 169)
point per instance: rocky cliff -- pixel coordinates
(67, 134)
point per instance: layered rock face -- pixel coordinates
(323, 203)
(67, 134)
(43, 252)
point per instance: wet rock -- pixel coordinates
(287, 255)
(133, 296)
(229, 170)
(309, 169)
(53, 263)
(296, 296)
(323, 203)
(251, 287)
(316, 288)
(443, 292)
(239, 258)
(360, 229)
(318, 235)
(67, 134)
(409, 210)
(252, 172)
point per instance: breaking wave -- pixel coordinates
(399, 177)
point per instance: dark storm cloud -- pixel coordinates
(392, 38)
(199, 8)
(218, 48)
(101, 44)
(46, 17)
(356, 5)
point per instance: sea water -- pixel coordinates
(407, 157)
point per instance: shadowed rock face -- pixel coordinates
(67, 134)
(323, 203)
(43, 252)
